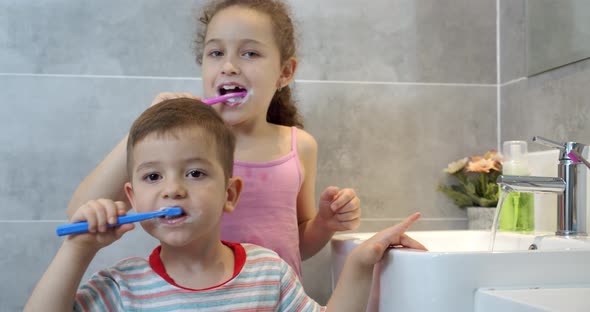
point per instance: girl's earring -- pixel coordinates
(279, 89)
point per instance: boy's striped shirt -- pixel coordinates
(262, 282)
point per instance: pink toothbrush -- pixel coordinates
(223, 98)
(576, 157)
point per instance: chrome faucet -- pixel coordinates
(570, 187)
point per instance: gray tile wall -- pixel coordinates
(392, 92)
(553, 104)
(512, 40)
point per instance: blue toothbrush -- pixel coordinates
(82, 227)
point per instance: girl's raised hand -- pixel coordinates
(340, 209)
(173, 95)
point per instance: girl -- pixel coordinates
(249, 45)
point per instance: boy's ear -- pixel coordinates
(287, 72)
(234, 189)
(130, 194)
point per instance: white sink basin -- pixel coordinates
(458, 263)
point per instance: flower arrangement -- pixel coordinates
(477, 180)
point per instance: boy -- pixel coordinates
(180, 153)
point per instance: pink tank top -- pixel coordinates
(266, 213)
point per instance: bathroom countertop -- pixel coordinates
(533, 299)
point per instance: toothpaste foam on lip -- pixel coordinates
(233, 101)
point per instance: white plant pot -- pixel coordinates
(480, 218)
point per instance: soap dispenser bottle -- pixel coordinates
(518, 210)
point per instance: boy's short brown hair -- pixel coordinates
(172, 115)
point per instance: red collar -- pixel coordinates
(239, 261)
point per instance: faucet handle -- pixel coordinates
(565, 147)
(549, 143)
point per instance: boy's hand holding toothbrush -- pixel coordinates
(339, 209)
(99, 214)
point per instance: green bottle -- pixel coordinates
(518, 213)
